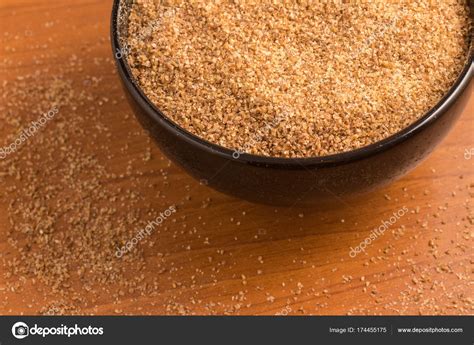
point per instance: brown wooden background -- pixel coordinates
(264, 260)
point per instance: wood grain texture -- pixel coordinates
(223, 255)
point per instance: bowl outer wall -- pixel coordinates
(280, 181)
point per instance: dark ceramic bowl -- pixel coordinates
(285, 181)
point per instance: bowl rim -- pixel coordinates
(361, 153)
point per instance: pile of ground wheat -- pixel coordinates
(296, 79)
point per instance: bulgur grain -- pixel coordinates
(296, 79)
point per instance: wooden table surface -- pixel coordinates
(216, 254)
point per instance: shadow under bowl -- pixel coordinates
(287, 181)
